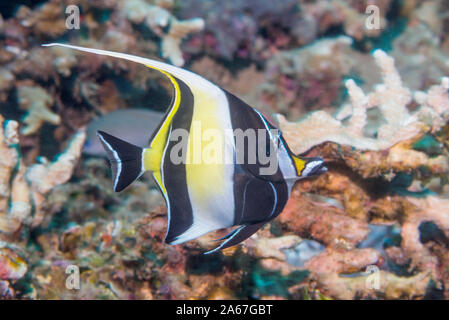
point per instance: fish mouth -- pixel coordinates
(322, 170)
(318, 169)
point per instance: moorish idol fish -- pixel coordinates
(205, 196)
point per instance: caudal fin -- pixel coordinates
(125, 159)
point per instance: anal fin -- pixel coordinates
(230, 234)
(238, 235)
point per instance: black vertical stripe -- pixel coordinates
(253, 194)
(258, 200)
(174, 175)
(282, 198)
(245, 117)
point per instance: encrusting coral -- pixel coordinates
(343, 257)
(430, 209)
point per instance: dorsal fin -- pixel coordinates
(180, 73)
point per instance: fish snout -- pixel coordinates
(314, 167)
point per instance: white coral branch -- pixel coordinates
(158, 18)
(26, 190)
(391, 97)
(37, 102)
(46, 176)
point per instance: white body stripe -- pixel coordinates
(218, 211)
(164, 193)
(310, 166)
(117, 159)
(284, 160)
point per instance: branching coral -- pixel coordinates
(37, 102)
(172, 40)
(24, 190)
(158, 19)
(45, 176)
(47, 21)
(339, 272)
(263, 247)
(26, 64)
(391, 98)
(401, 128)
